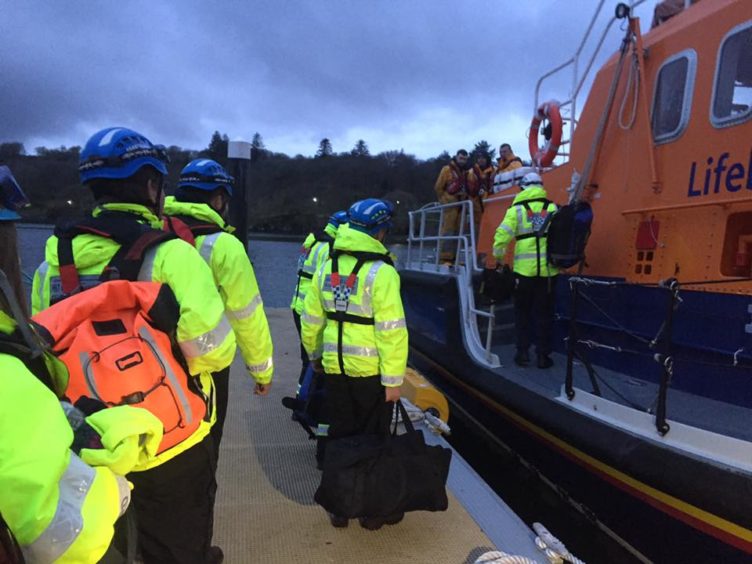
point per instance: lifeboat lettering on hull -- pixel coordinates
(732, 176)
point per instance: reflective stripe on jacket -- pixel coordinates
(58, 508)
(236, 281)
(313, 254)
(367, 349)
(204, 335)
(528, 255)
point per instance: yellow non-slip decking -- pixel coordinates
(267, 477)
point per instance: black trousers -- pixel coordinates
(303, 354)
(222, 394)
(355, 405)
(534, 307)
(174, 505)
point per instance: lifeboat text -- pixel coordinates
(720, 174)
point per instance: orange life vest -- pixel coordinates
(115, 340)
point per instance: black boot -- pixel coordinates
(545, 361)
(394, 519)
(371, 523)
(215, 555)
(522, 358)
(337, 521)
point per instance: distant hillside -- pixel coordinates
(285, 194)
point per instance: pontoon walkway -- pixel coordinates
(267, 477)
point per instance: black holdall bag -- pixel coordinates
(497, 284)
(380, 476)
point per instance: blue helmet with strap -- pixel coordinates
(338, 218)
(371, 215)
(117, 153)
(205, 174)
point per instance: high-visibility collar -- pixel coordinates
(200, 211)
(139, 210)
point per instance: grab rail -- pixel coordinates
(578, 80)
(427, 238)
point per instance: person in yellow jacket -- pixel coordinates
(59, 505)
(173, 497)
(202, 202)
(508, 161)
(313, 253)
(353, 327)
(451, 187)
(526, 222)
(479, 184)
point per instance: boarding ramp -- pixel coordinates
(426, 242)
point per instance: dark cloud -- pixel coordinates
(420, 75)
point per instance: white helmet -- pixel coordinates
(531, 178)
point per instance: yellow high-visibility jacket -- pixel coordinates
(530, 256)
(204, 335)
(451, 179)
(512, 163)
(480, 179)
(59, 508)
(313, 254)
(237, 285)
(378, 345)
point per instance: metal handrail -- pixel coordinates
(464, 266)
(578, 80)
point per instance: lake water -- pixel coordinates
(275, 262)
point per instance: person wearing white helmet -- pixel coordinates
(526, 221)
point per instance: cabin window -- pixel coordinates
(672, 99)
(732, 90)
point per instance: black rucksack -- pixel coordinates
(568, 232)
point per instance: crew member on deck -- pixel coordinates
(451, 187)
(525, 222)
(507, 159)
(479, 184)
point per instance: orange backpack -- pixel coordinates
(115, 340)
(115, 334)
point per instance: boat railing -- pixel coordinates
(569, 106)
(429, 240)
(659, 347)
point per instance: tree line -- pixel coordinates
(285, 194)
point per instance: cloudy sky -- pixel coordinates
(419, 75)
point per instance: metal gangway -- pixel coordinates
(425, 246)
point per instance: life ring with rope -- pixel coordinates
(544, 156)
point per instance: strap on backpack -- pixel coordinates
(197, 227)
(366, 256)
(538, 233)
(135, 240)
(340, 314)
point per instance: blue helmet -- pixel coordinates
(371, 215)
(205, 174)
(118, 152)
(338, 218)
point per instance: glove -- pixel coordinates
(84, 435)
